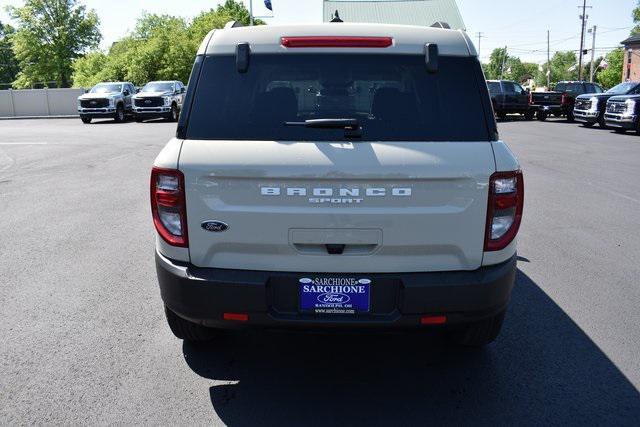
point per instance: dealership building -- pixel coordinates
(404, 12)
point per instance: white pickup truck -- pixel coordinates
(337, 176)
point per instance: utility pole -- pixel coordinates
(251, 12)
(548, 59)
(593, 52)
(584, 18)
(504, 62)
(479, 44)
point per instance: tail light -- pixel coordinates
(563, 100)
(336, 41)
(168, 206)
(504, 213)
(530, 97)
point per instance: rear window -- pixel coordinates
(393, 97)
(494, 88)
(570, 88)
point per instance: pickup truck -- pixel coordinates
(623, 113)
(509, 97)
(107, 101)
(320, 179)
(590, 109)
(560, 102)
(162, 99)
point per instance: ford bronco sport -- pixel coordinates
(320, 178)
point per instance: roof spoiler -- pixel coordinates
(233, 24)
(441, 24)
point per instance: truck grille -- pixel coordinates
(149, 102)
(583, 104)
(94, 103)
(616, 107)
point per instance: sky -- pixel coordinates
(521, 25)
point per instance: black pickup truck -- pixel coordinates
(509, 97)
(561, 100)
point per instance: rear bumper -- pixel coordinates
(270, 299)
(551, 109)
(620, 121)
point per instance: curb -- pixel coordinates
(38, 117)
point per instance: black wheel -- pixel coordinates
(542, 116)
(570, 117)
(173, 114)
(189, 331)
(529, 115)
(85, 120)
(120, 115)
(480, 333)
(602, 123)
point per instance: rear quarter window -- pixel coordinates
(393, 97)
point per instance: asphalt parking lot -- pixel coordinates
(84, 340)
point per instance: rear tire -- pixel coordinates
(602, 123)
(529, 115)
(542, 116)
(189, 331)
(480, 333)
(120, 115)
(570, 117)
(85, 120)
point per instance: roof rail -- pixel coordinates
(233, 24)
(441, 24)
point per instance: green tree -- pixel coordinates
(636, 20)
(51, 35)
(497, 65)
(9, 67)
(612, 75)
(89, 70)
(563, 67)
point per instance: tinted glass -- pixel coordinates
(106, 88)
(574, 88)
(158, 87)
(494, 88)
(393, 97)
(623, 88)
(508, 87)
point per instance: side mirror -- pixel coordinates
(126, 93)
(183, 90)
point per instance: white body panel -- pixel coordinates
(433, 221)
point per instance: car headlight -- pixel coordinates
(112, 101)
(631, 106)
(594, 103)
(167, 100)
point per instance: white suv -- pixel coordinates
(337, 176)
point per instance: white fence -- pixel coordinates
(39, 102)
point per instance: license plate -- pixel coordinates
(335, 295)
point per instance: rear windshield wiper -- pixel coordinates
(352, 128)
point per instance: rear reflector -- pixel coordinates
(337, 41)
(236, 317)
(433, 320)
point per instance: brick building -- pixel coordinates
(631, 67)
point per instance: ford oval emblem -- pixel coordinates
(333, 298)
(215, 226)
